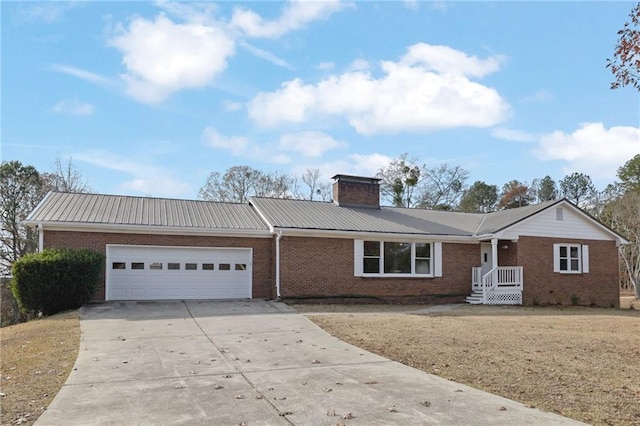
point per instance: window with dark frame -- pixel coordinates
(118, 265)
(137, 265)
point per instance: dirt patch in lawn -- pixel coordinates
(578, 362)
(37, 357)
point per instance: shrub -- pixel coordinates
(56, 280)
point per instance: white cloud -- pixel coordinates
(81, 73)
(353, 164)
(295, 15)
(591, 149)
(73, 107)
(162, 57)
(446, 60)
(309, 144)
(412, 5)
(418, 93)
(145, 178)
(236, 145)
(243, 147)
(267, 56)
(326, 66)
(539, 96)
(513, 135)
(359, 65)
(47, 12)
(232, 106)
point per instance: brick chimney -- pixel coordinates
(356, 191)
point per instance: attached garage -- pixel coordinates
(166, 273)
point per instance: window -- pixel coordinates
(371, 257)
(423, 258)
(570, 258)
(191, 266)
(207, 266)
(224, 267)
(137, 265)
(155, 265)
(241, 266)
(118, 265)
(173, 266)
(397, 258)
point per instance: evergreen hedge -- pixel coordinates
(56, 280)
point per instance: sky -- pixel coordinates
(150, 98)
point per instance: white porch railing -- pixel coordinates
(500, 286)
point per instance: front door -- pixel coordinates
(486, 255)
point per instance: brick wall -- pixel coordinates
(599, 287)
(263, 251)
(323, 267)
(348, 193)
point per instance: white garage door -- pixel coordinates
(157, 273)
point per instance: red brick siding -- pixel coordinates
(324, 267)
(599, 287)
(356, 193)
(508, 256)
(263, 250)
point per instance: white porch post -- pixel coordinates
(494, 253)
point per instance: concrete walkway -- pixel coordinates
(252, 363)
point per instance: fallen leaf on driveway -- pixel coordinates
(286, 413)
(218, 387)
(348, 416)
(392, 409)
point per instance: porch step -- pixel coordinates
(474, 299)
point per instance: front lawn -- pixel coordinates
(582, 363)
(37, 357)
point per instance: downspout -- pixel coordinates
(40, 228)
(278, 237)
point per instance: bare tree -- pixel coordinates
(625, 65)
(443, 187)
(312, 187)
(239, 183)
(623, 215)
(65, 177)
(21, 189)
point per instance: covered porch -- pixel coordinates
(492, 284)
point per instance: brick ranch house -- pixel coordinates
(350, 248)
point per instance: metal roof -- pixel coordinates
(499, 220)
(299, 214)
(144, 211)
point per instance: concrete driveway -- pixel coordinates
(251, 363)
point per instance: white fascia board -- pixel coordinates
(159, 230)
(387, 236)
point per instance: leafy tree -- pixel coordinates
(625, 65)
(311, 187)
(515, 194)
(629, 174)
(578, 188)
(545, 189)
(399, 181)
(65, 177)
(21, 189)
(443, 187)
(479, 198)
(239, 183)
(622, 214)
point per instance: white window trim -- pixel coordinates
(436, 260)
(583, 258)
